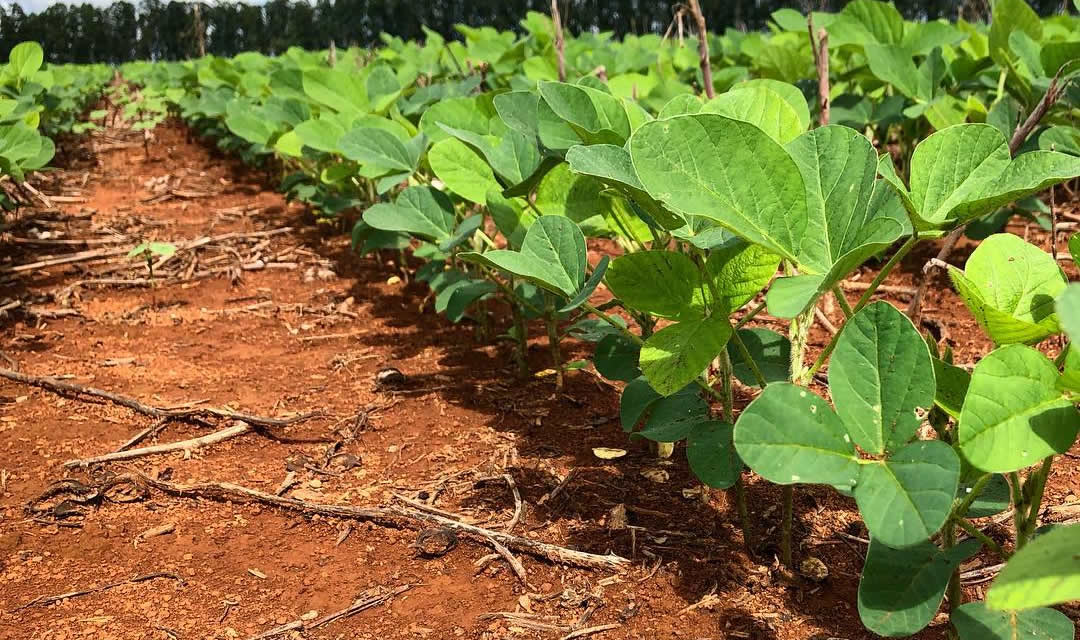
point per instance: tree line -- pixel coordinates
(156, 30)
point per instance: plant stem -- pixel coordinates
(750, 315)
(739, 489)
(788, 495)
(842, 300)
(863, 300)
(551, 321)
(974, 532)
(1037, 482)
(521, 352)
(976, 489)
(748, 358)
(1018, 507)
(954, 593)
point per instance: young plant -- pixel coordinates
(150, 250)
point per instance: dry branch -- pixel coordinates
(187, 446)
(360, 604)
(703, 49)
(560, 42)
(72, 389)
(389, 516)
(41, 601)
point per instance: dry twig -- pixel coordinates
(389, 516)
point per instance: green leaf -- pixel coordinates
(791, 295)
(589, 287)
(518, 111)
(893, 65)
(342, 91)
(901, 589)
(1068, 309)
(974, 621)
(881, 19)
(379, 149)
(952, 386)
(243, 122)
(466, 294)
(419, 211)
(597, 117)
(636, 398)
(880, 373)
(725, 170)
(462, 171)
(1009, 16)
(511, 218)
(672, 357)
(1043, 573)
(552, 255)
(739, 271)
(1074, 247)
(616, 358)
(964, 171)
(1010, 286)
(25, 59)
(907, 497)
(671, 419)
(662, 283)
(580, 198)
(994, 499)
(790, 435)
(711, 454)
(612, 164)
(770, 351)
(851, 215)
(789, 92)
(761, 106)
(1013, 415)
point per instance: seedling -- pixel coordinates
(150, 250)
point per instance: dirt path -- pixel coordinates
(288, 340)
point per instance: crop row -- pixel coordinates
(493, 159)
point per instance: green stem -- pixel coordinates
(1018, 507)
(954, 593)
(842, 300)
(748, 358)
(863, 300)
(788, 494)
(974, 532)
(961, 510)
(750, 315)
(1037, 481)
(886, 270)
(550, 319)
(522, 328)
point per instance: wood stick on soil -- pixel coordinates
(515, 564)
(81, 256)
(518, 507)
(560, 42)
(187, 446)
(41, 601)
(360, 604)
(148, 432)
(387, 516)
(72, 389)
(588, 631)
(703, 49)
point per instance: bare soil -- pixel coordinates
(285, 341)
